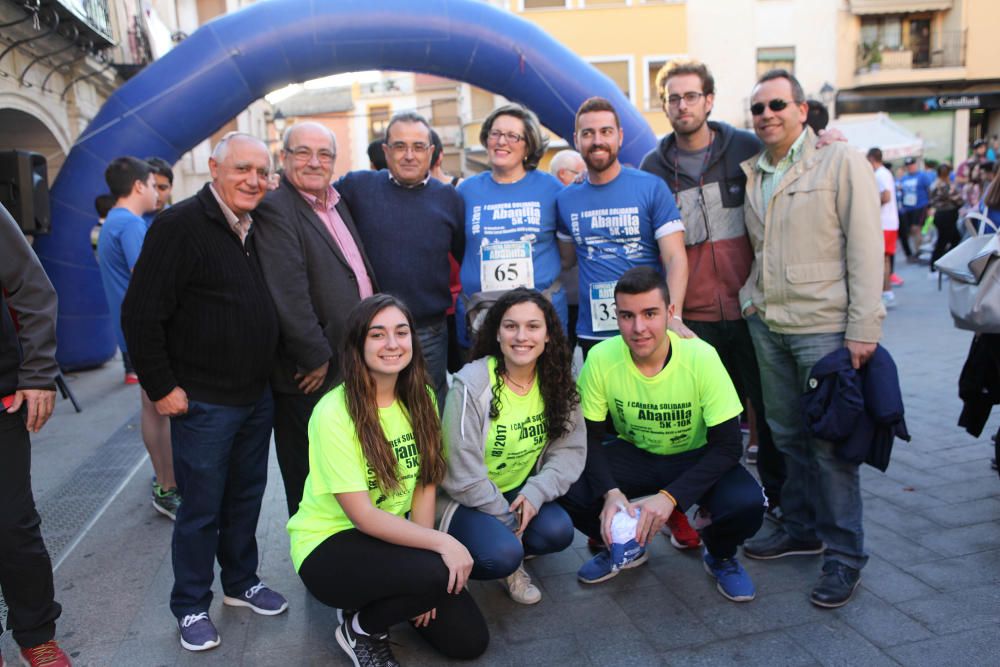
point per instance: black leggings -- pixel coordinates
(389, 584)
(948, 236)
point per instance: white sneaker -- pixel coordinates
(520, 588)
(888, 300)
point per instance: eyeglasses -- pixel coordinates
(776, 104)
(401, 147)
(689, 98)
(303, 154)
(511, 137)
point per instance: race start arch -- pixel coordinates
(182, 98)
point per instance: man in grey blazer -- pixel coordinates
(316, 270)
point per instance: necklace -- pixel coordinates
(524, 388)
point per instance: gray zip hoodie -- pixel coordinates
(466, 425)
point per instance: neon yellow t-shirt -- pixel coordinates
(517, 437)
(668, 413)
(337, 465)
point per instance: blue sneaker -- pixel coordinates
(198, 633)
(732, 580)
(599, 568)
(260, 599)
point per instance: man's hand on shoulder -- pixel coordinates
(173, 404)
(40, 404)
(314, 379)
(860, 352)
(677, 325)
(830, 136)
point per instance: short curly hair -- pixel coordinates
(534, 140)
(679, 67)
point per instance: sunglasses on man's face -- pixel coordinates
(774, 105)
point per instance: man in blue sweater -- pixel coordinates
(409, 223)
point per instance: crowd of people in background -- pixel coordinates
(409, 337)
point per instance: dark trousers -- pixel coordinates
(573, 311)
(291, 442)
(948, 235)
(220, 460)
(907, 219)
(389, 584)
(25, 568)
(497, 551)
(586, 344)
(736, 501)
(731, 339)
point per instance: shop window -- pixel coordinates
(378, 118)
(444, 112)
(653, 67)
(886, 31)
(543, 4)
(619, 72)
(780, 57)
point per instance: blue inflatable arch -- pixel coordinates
(179, 100)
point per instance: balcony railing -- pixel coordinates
(93, 14)
(943, 49)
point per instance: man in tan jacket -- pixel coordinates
(815, 286)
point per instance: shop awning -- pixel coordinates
(861, 7)
(894, 140)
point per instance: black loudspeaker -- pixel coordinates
(24, 190)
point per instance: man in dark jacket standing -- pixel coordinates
(28, 372)
(203, 332)
(700, 161)
(316, 271)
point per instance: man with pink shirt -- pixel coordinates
(316, 270)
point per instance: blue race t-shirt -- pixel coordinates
(615, 227)
(117, 251)
(510, 238)
(914, 190)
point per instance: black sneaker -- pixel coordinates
(365, 650)
(836, 585)
(779, 545)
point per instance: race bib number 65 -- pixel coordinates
(506, 265)
(603, 316)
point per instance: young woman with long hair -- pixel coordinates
(375, 458)
(945, 200)
(515, 441)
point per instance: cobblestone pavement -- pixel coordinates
(930, 595)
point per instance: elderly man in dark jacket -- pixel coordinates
(202, 331)
(316, 271)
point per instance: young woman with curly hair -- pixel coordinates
(375, 459)
(514, 440)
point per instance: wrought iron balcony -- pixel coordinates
(92, 15)
(943, 49)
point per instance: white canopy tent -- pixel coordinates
(879, 131)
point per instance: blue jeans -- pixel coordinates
(496, 551)
(821, 497)
(220, 460)
(434, 344)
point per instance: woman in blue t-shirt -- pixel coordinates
(510, 217)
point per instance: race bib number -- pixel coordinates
(603, 316)
(506, 265)
(910, 199)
